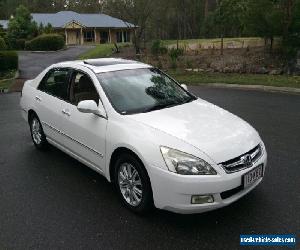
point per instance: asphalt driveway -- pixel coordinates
(32, 63)
(50, 201)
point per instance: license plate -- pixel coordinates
(253, 176)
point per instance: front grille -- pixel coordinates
(243, 161)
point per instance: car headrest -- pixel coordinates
(85, 84)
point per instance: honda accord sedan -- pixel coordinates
(155, 141)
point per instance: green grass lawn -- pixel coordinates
(195, 78)
(212, 40)
(6, 79)
(248, 41)
(5, 84)
(101, 50)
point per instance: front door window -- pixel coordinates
(82, 88)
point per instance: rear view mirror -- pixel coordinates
(90, 106)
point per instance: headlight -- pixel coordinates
(185, 164)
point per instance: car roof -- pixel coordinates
(102, 65)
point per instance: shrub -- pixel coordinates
(155, 47)
(8, 60)
(2, 33)
(159, 64)
(163, 50)
(175, 53)
(158, 48)
(2, 44)
(189, 64)
(20, 44)
(174, 64)
(46, 42)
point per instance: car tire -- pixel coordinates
(134, 189)
(37, 133)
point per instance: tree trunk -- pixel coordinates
(266, 43)
(271, 44)
(136, 42)
(222, 45)
(206, 8)
(288, 8)
(178, 31)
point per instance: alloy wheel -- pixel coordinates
(36, 131)
(130, 184)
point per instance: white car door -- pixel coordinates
(86, 133)
(49, 98)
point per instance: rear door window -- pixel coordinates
(56, 83)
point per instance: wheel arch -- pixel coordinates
(114, 156)
(31, 113)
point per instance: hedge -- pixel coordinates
(8, 60)
(2, 44)
(46, 42)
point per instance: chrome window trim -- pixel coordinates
(69, 137)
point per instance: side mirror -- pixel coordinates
(184, 86)
(90, 107)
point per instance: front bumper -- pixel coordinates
(173, 192)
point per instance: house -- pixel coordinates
(79, 28)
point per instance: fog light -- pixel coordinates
(201, 199)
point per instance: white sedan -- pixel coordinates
(159, 144)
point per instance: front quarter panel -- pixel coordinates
(145, 142)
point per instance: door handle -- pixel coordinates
(66, 112)
(38, 98)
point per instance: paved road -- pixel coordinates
(32, 63)
(48, 200)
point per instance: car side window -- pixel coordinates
(82, 88)
(56, 83)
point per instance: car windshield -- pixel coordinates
(142, 90)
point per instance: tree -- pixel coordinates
(264, 18)
(291, 38)
(1, 30)
(225, 20)
(48, 29)
(85, 6)
(21, 26)
(2, 9)
(137, 12)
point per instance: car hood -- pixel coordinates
(213, 130)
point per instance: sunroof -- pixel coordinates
(107, 62)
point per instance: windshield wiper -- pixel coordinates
(168, 105)
(190, 99)
(161, 106)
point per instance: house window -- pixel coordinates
(119, 36)
(88, 35)
(126, 36)
(103, 36)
